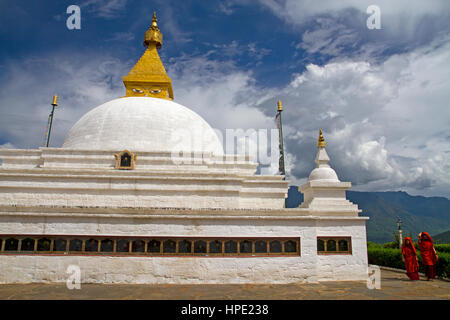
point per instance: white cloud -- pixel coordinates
(121, 36)
(168, 21)
(227, 98)
(331, 38)
(224, 95)
(108, 9)
(338, 28)
(298, 11)
(7, 145)
(81, 82)
(226, 8)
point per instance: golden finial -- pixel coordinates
(154, 20)
(55, 100)
(321, 143)
(280, 106)
(153, 35)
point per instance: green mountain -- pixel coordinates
(443, 237)
(431, 214)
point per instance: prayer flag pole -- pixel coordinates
(281, 165)
(50, 117)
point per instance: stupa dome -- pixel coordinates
(323, 171)
(143, 124)
(324, 174)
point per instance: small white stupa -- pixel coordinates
(324, 192)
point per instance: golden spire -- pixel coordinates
(280, 106)
(321, 143)
(148, 78)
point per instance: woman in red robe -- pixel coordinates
(410, 259)
(428, 253)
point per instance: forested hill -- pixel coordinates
(443, 237)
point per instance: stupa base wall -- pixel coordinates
(306, 264)
(138, 270)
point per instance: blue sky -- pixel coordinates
(381, 96)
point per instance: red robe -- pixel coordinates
(410, 255)
(427, 251)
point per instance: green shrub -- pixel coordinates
(374, 245)
(394, 245)
(442, 248)
(391, 245)
(385, 257)
(393, 258)
(443, 265)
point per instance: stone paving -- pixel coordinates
(394, 286)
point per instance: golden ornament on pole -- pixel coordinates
(280, 106)
(55, 100)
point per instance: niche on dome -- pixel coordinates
(125, 160)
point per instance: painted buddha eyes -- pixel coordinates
(142, 91)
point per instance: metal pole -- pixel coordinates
(400, 233)
(281, 164)
(54, 104)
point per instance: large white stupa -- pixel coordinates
(141, 192)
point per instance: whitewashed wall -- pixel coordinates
(309, 267)
(67, 177)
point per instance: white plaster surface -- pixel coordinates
(143, 124)
(309, 267)
(71, 177)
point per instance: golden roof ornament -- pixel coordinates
(55, 100)
(153, 34)
(148, 78)
(280, 106)
(321, 143)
